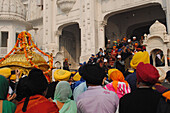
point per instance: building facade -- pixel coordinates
(75, 29)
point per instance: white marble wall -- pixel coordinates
(12, 28)
(90, 15)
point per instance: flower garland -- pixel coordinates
(27, 44)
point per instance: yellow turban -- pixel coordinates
(77, 77)
(6, 72)
(62, 75)
(139, 57)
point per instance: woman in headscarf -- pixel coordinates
(119, 85)
(62, 97)
(7, 107)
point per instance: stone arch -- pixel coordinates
(70, 42)
(111, 13)
(59, 57)
(157, 57)
(60, 27)
(57, 64)
(135, 18)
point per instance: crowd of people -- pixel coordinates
(118, 54)
(99, 86)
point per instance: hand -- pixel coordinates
(17, 72)
(11, 97)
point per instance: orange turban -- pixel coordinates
(66, 59)
(116, 76)
(136, 44)
(114, 47)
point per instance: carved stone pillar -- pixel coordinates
(153, 57)
(11, 39)
(57, 39)
(168, 15)
(101, 36)
(165, 58)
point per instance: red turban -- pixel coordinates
(147, 73)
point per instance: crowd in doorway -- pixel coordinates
(97, 86)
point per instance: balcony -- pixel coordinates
(3, 51)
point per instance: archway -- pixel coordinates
(134, 22)
(70, 44)
(157, 58)
(57, 65)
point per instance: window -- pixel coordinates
(4, 39)
(16, 37)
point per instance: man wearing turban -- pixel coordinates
(137, 58)
(144, 99)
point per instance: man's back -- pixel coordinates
(96, 99)
(142, 100)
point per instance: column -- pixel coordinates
(77, 47)
(153, 58)
(11, 39)
(0, 38)
(101, 35)
(57, 41)
(168, 15)
(165, 56)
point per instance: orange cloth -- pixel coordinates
(166, 95)
(117, 76)
(38, 104)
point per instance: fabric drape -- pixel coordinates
(63, 94)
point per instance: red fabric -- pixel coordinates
(38, 104)
(147, 73)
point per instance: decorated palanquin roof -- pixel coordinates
(19, 59)
(23, 55)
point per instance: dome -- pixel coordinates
(12, 10)
(157, 28)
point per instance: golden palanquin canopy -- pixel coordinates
(23, 57)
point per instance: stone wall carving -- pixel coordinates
(66, 5)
